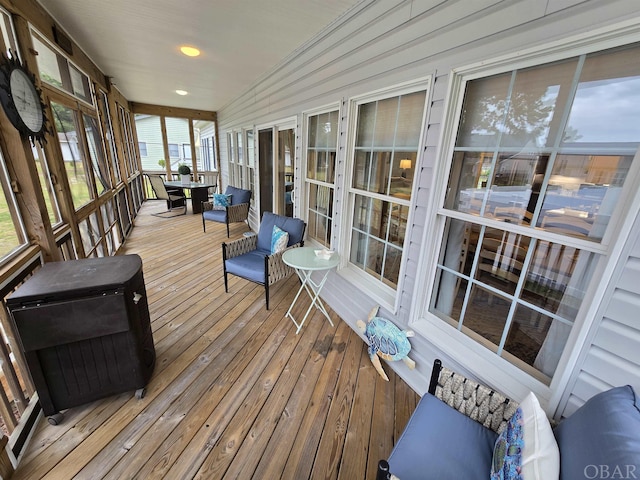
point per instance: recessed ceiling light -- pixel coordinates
(182, 92)
(190, 51)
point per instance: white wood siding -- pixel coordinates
(384, 43)
(611, 356)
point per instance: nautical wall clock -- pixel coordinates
(21, 100)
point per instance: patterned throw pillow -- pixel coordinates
(507, 452)
(221, 200)
(526, 449)
(279, 240)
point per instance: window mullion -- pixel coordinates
(514, 303)
(556, 144)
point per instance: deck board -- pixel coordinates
(235, 392)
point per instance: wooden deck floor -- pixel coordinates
(235, 392)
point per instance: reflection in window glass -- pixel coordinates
(605, 80)
(56, 70)
(8, 32)
(250, 163)
(12, 234)
(45, 182)
(66, 123)
(519, 293)
(379, 229)
(48, 65)
(386, 151)
(546, 148)
(90, 234)
(322, 140)
(106, 113)
(523, 174)
(80, 84)
(96, 152)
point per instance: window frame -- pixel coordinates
(307, 182)
(249, 171)
(383, 294)
(477, 359)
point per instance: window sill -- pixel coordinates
(380, 293)
(481, 362)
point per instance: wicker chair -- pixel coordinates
(251, 257)
(237, 211)
(175, 197)
(490, 408)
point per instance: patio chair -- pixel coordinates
(251, 257)
(212, 179)
(175, 197)
(237, 209)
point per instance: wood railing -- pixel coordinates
(16, 384)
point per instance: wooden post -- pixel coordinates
(6, 467)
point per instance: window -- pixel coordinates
(231, 155)
(96, 154)
(48, 192)
(8, 32)
(174, 151)
(13, 233)
(539, 164)
(66, 124)
(143, 149)
(322, 141)
(387, 138)
(110, 140)
(239, 166)
(57, 71)
(130, 157)
(205, 147)
(186, 151)
(250, 162)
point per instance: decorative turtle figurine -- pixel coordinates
(386, 340)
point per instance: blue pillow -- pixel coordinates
(279, 240)
(221, 200)
(602, 437)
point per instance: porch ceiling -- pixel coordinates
(137, 43)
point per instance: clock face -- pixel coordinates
(26, 100)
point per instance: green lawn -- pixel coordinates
(79, 192)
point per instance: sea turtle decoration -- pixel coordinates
(386, 341)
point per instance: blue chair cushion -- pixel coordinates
(215, 215)
(249, 265)
(238, 195)
(602, 437)
(440, 442)
(293, 226)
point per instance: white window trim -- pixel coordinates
(249, 172)
(303, 202)
(486, 365)
(384, 295)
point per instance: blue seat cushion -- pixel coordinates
(602, 437)
(293, 226)
(238, 195)
(441, 443)
(249, 265)
(215, 215)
